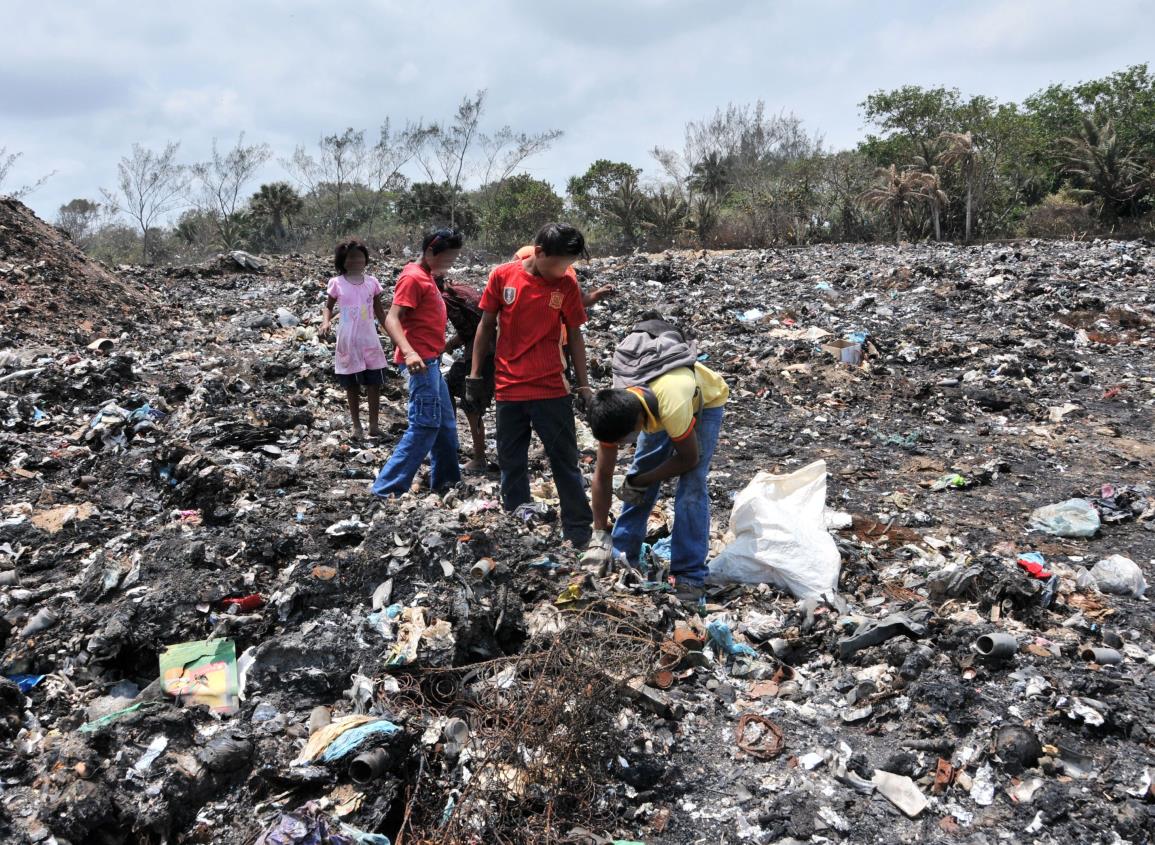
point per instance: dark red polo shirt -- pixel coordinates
(529, 322)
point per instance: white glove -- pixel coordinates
(600, 550)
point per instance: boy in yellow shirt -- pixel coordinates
(679, 416)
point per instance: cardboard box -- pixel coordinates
(845, 351)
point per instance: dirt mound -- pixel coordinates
(51, 291)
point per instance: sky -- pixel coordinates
(81, 82)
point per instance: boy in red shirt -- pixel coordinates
(527, 303)
(416, 323)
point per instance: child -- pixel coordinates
(464, 308)
(463, 305)
(359, 359)
(532, 300)
(679, 414)
(416, 324)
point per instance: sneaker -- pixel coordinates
(689, 593)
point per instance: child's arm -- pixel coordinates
(379, 311)
(397, 335)
(597, 295)
(483, 341)
(327, 316)
(577, 350)
(601, 486)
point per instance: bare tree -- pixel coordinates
(152, 184)
(447, 151)
(80, 218)
(222, 181)
(340, 164)
(459, 152)
(7, 162)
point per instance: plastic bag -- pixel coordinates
(780, 535)
(1116, 574)
(1072, 518)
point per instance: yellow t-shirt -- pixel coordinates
(676, 392)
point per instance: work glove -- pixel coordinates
(474, 390)
(582, 399)
(631, 493)
(600, 550)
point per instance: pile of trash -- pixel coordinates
(928, 616)
(51, 292)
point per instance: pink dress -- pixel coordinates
(358, 344)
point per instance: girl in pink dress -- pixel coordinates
(359, 359)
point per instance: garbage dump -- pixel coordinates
(210, 632)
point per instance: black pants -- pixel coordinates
(553, 422)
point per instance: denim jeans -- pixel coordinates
(432, 432)
(553, 421)
(690, 543)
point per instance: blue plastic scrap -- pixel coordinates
(723, 640)
(26, 682)
(351, 739)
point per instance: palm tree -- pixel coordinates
(625, 208)
(961, 150)
(711, 176)
(897, 193)
(666, 214)
(277, 203)
(1104, 171)
(931, 187)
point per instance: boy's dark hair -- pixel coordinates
(343, 250)
(440, 240)
(561, 239)
(613, 414)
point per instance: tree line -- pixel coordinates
(1069, 161)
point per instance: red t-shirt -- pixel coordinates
(529, 322)
(424, 325)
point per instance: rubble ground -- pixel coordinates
(181, 470)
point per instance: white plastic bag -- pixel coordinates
(1116, 574)
(1072, 518)
(780, 535)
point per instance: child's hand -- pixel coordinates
(323, 330)
(414, 363)
(598, 294)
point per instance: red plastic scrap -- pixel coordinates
(1035, 568)
(245, 603)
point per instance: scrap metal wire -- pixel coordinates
(541, 734)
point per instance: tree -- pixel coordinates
(607, 195)
(340, 163)
(275, 205)
(666, 216)
(845, 178)
(222, 180)
(428, 204)
(152, 185)
(711, 176)
(515, 208)
(931, 188)
(458, 152)
(962, 151)
(80, 219)
(7, 162)
(896, 192)
(1103, 171)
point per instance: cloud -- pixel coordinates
(83, 82)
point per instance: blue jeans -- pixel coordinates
(432, 432)
(553, 421)
(690, 543)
